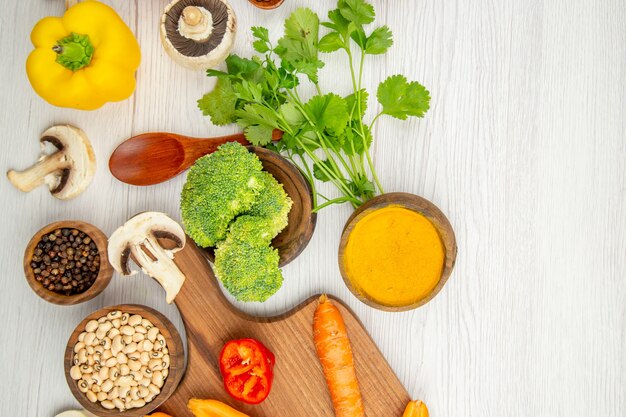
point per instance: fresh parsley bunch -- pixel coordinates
(325, 136)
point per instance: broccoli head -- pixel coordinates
(272, 204)
(248, 272)
(219, 187)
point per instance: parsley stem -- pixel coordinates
(337, 201)
(371, 165)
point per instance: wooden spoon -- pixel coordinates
(151, 158)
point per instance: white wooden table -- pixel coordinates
(524, 149)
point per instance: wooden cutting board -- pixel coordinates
(299, 388)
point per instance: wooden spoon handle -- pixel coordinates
(200, 147)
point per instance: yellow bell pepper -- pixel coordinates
(84, 59)
(212, 408)
(415, 409)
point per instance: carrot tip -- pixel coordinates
(323, 298)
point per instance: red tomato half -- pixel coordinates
(247, 368)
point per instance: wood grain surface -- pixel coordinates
(523, 149)
(299, 388)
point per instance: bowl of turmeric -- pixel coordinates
(397, 251)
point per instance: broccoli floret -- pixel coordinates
(248, 272)
(219, 187)
(267, 216)
(273, 204)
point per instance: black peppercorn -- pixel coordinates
(66, 261)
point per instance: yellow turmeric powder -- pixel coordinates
(394, 256)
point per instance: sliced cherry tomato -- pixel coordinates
(247, 368)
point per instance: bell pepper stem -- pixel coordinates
(74, 51)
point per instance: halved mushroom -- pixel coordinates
(67, 172)
(198, 34)
(139, 237)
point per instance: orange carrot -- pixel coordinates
(415, 409)
(335, 354)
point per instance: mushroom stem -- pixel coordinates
(192, 15)
(34, 176)
(160, 268)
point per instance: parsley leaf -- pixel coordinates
(379, 41)
(352, 104)
(292, 115)
(220, 103)
(299, 45)
(258, 134)
(331, 42)
(357, 11)
(318, 171)
(241, 66)
(401, 99)
(328, 112)
(262, 42)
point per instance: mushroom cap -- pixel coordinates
(136, 231)
(199, 54)
(77, 153)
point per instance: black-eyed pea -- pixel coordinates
(165, 350)
(86, 369)
(82, 356)
(102, 396)
(108, 404)
(137, 376)
(124, 370)
(87, 377)
(106, 355)
(124, 381)
(107, 386)
(140, 329)
(156, 355)
(143, 391)
(146, 323)
(116, 314)
(90, 350)
(123, 391)
(111, 362)
(83, 386)
(91, 326)
(99, 349)
(75, 373)
(134, 320)
(157, 378)
(92, 397)
(119, 404)
(81, 337)
(152, 334)
(95, 378)
(146, 371)
(102, 319)
(104, 372)
(116, 345)
(114, 373)
(130, 348)
(165, 373)
(138, 403)
(127, 330)
(134, 393)
(145, 382)
(126, 339)
(144, 358)
(150, 397)
(155, 365)
(105, 343)
(138, 337)
(122, 358)
(147, 345)
(79, 346)
(112, 333)
(124, 318)
(75, 361)
(133, 356)
(95, 388)
(89, 338)
(166, 361)
(134, 365)
(103, 329)
(154, 389)
(116, 323)
(114, 393)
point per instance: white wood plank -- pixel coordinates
(524, 148)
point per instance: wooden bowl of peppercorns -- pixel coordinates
(66, 262)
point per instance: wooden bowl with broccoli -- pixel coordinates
(251, 211)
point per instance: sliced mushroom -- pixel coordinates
(198, 34)
(139, 237)
(67, 172)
